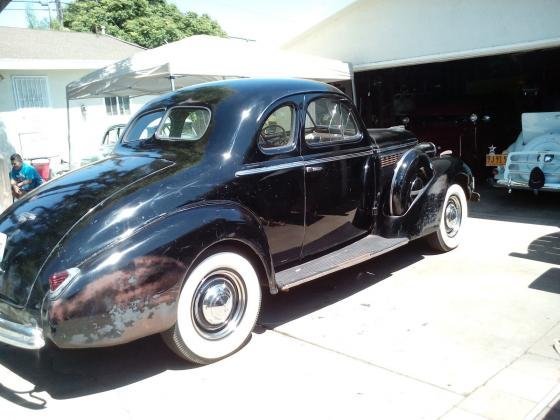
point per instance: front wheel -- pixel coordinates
(453, 218)
(217, 309)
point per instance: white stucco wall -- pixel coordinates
(386, 33)
(43, 131)
(87, 129)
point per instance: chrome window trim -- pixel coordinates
(302, 163)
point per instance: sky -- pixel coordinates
(270, 21)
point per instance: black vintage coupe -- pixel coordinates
(216, 193)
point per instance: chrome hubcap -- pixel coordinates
(453, 216)
(219, 304)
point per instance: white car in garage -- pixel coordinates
(533, 160)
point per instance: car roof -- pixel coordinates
(258, 91)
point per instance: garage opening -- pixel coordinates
(465, 105)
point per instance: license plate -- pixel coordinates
(3, 239)
(496, 160)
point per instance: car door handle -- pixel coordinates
(310, 169)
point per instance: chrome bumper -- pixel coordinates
(519, 165)
(19, 335)
(507, 183)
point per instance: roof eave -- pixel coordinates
(45, 64)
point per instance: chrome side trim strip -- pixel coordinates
(301, 163)
(264, 169)
(23, 336)
(398, 146)
(341, 157)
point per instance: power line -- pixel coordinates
(38, 1)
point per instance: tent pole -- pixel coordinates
(68, 128)
(354, 97)
(172, 80)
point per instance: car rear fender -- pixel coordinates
(130, 289)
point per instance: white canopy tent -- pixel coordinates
(200, 59)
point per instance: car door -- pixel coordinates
(335, 154)
(273, 180)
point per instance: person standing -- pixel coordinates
(23, 176)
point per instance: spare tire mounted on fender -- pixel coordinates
(412, 173)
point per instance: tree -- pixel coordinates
(149, 23)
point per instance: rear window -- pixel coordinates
(177, 124)
(184, 124)
(144, 126)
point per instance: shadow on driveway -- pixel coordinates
(73, 373)
(544, 249)
(549, 281)
(519, 206)
(325, 291)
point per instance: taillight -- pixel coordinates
(58, 279)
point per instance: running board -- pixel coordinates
(355, 253)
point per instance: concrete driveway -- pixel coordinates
(412, 335)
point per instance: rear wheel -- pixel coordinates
(217, 309)
(453, 218)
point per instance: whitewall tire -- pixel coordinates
(453, 219)
(217, 309)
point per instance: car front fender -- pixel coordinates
(424, 214)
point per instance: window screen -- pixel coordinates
(31, 92)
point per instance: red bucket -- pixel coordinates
(43, 169)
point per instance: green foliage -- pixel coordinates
(149, 23)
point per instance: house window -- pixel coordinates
(31, 92)
(117, 105)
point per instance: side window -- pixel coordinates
(278, 131)
(329, 120)
(184, 124)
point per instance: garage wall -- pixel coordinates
(386, 33)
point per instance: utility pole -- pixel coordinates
(59, 14)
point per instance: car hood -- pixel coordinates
(36, 224)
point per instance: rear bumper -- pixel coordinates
(503, 183)
(519, 166)
(25, 336)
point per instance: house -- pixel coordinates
(35, 67)
(458, 73)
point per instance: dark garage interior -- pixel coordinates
(463, 105)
